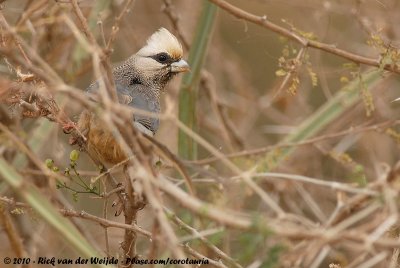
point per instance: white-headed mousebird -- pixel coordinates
(138, 81)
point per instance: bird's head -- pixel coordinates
(161, 58)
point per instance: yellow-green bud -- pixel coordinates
(74, 155)
(49, 163)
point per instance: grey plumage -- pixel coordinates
(140, 79)
(132, 92)
(139, 82)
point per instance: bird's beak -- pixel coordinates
(180, 67)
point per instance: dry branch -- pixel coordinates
(332, 49)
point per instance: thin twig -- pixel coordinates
(352, 130)
(332, 49)
(211, 246)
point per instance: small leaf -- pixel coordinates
(313, 76)
(158, 164)
(294, 85)
(75, 197)
(367, 99)
(350, 65)
(280, 72)
(344, 79)
(393, 134)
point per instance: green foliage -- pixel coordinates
(307, 35)
(55, 169)
(390, 55)
(250, 243)
(190, 82)
(17, 211)
(78, 184)
(326, 114)
(250, 246)
(271, 160)
(186, 216)
(393, 134)
(366, 97)
(80, 54)
(272, 258)
(358, 175)
(344, 79)
(294, 85)
(47, 211)
(259, 225)
(357, 172)
(217, 238)
(290, 64)
(280, 72)
(49, 163)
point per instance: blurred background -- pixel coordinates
(258, 89)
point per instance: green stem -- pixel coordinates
(47, 211)
(326, 114)
(190, 81)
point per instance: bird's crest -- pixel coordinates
(162, 41)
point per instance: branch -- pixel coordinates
(332, 49)
(103, 56)
(252, 152)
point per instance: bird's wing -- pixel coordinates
(143, 100)
(138, 97)
(122, 93)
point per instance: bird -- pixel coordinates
(139, 82)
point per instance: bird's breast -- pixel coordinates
(101, 143)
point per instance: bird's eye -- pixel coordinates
(162, 57)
